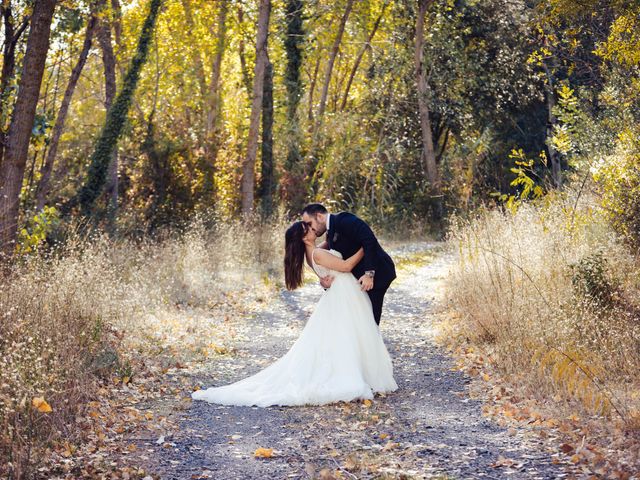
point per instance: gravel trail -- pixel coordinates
(429, 428)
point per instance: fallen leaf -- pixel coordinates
(566, 448)
(41, 405)
(68, 450)
(263, 453)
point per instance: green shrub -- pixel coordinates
(593, 280)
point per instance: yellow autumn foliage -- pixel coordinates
(551, 291)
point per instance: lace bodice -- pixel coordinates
(319, 269)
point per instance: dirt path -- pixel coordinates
(429, 428)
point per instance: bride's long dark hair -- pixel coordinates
(294, 252)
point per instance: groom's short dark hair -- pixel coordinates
(314, 208)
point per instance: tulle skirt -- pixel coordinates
(339, 356)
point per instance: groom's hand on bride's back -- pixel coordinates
(326, 281)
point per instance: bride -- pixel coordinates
(340, 354)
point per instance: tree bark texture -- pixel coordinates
(19, 133)
(109, 63)
(267, 179)
(248, 168)
(428, 156)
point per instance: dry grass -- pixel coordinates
(552, 295)
(71, 317)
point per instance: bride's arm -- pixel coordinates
(354, 259)
(326, 259)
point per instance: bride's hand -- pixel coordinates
(326, 281)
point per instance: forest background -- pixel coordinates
(137, 135)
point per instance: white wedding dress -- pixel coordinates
(339, 356)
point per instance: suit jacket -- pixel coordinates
(347, 234)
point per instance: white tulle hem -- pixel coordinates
(339, 356)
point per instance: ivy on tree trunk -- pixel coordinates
(116, 117)
(293, 49)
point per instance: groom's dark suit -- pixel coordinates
(346, 234)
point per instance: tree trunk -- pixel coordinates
(332, 59)
(197, 58)
(293, 49)
(47, 167)
(160, 176)
(428, 156)
(213, 101)
(11, 37)
(109, 62)
(19, 134)
(116, 117)
(293, 82)
(249, 164)
(267, 180)
(312, 89)
(356, 65)
(340, 74)
(214, 86)
(554, 156)
(442, 144)
(291, 186)
(8, 51)
(117, 20)
(246, 78)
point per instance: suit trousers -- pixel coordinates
(377, 297)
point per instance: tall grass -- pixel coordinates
(64, 314)
(553, 294)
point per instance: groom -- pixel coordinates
(346, 233)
